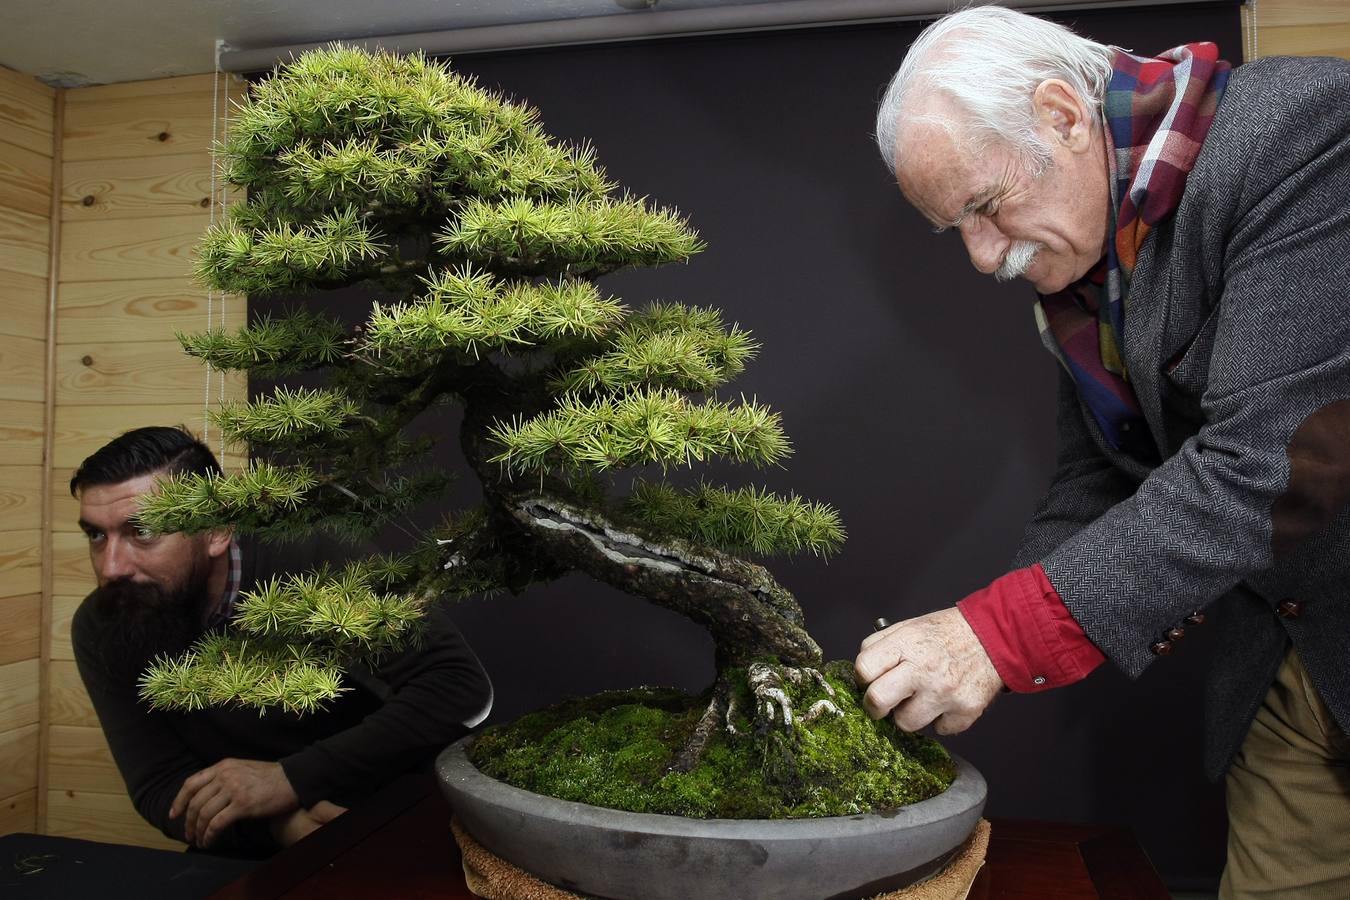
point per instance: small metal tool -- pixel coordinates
(881, 624)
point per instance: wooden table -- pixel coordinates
(399, 846)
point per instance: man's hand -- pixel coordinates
(929, 669)
(233, 789)
(291, 827)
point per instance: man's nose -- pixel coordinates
(986, 244)
(114, 561)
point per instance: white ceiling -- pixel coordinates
(100, 41)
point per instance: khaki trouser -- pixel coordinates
(1289, 799)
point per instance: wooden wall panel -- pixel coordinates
(20, 498)
(20, 433)
(147, 126)
(80, 430)
(22, 618)
(112, 249)
(71, 572)
(20, 563)
(26, 179)
(24, 300)
(24, 242)
(19, 813)
(135, 188)
(22, 369)
(18, 759)
(81, 761)
(70, 703)
(99, 374)
(1297, 28)
(97, 816)
(18, 694)
(26, 111)
(63, 608)
(138, 310)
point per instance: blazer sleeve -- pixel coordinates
(1271, 463)
(1085, 484)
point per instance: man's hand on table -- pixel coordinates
(929, 669)
(232, 789)
(291, 827)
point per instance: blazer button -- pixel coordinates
(1162, 648)
(1195, 618)
(1289, 609)
(1176, 634)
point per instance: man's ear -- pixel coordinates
(218, 541)
(1060, 109)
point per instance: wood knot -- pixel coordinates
(88, 200)
(162, 136)
(87, 360)
(206, 202)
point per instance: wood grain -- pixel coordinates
(63, 608)
(25, 178)
(20, 433)
(80, 430)
(143, 248)
(19, 813)
(65, 508)
(18, 694)
(24, 242)
(27, 110)
(99, 816)
(24, 301)
(71, 573)
(175, 86)
(149, 125)
(78, 759)
(135, 188)
(20, 498)
(70, 704)
(1303, 40)
(18, 760)
(22, 628)
(20, 563)
(125, 373)
(22, 369)
(138, 310)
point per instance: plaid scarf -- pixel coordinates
(1157, 113)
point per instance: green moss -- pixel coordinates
(614, 749)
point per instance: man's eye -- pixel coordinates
(145, 534)
(988, 210)
(94, 536)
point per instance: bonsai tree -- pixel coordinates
(481, 238)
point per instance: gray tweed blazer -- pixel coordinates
(1238, 345)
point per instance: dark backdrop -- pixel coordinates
(916, 392)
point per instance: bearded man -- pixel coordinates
(1186, 226)
(229, 779)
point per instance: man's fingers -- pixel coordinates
(954, 722)
(916, 712)
(191, 785)
(881, 653)
(210, 795)
(889, 691)
(218, 822)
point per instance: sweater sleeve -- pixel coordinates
(152, 758)
(435, 694)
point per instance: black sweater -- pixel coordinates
(393, 719)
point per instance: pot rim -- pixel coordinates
(460, 776)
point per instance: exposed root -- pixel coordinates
(692, 752)
(766, 682)
(820, 708)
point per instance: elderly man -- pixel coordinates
(1187, 228)
(228, 779)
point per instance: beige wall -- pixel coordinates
(1297, 28)
(27, 110)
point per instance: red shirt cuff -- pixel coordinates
(1031, 638)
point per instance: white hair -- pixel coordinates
(989, 60)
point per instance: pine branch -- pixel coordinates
(668, 346)
(473, 312)
(643, 426)
(288, 417)
(256, 496)
(282, 345)
(581, 236)
(220, 671)
(736, 521)
(342, 612)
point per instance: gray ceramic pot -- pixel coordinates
(638, 856)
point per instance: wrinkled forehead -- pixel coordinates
(933, 166)
(110, 505)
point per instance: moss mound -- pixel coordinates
(614, 749)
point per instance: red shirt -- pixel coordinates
(1028, 633)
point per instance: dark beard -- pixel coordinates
(142, 620)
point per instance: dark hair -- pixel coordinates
(143, 451)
